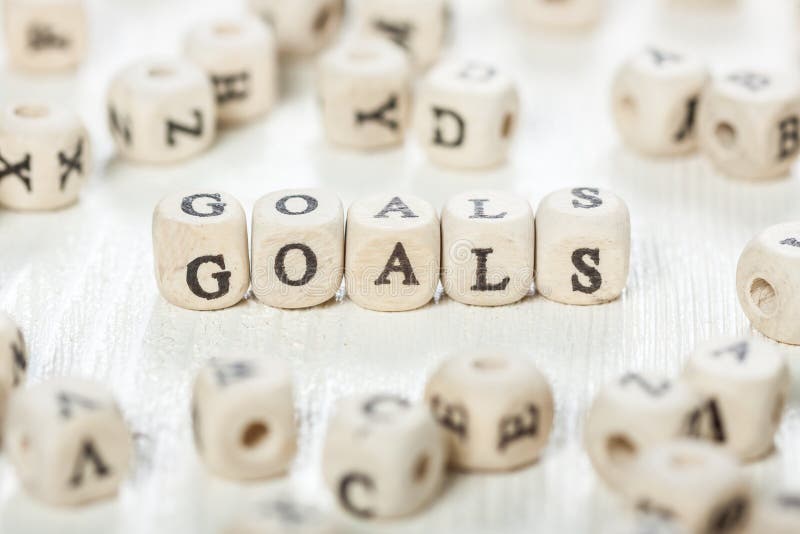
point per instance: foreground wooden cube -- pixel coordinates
(243, 417)
(161, 111)
(392, 252)
(767, 278)
(417, 26)
(298, 247)
(45, 35)
(656, 96)
(301, 26)
(364, 91)
(383, 457)
(67, 441)
(45, 156)
(239, 55)
(496, 410)
(749, 124)
(13, 363)
(487, 248)
(466, 115)
(694, 484)
(583, 239)
(200, 250)
(560, 14)
(748, 382)
(632, 414)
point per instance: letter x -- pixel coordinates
(71, 164)
(379, 115)
(20, 169)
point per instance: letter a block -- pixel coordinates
(487, 248)
(298, 247)
(583, 240)
(200, 250)
(392, 253)
(68, 441)
(466, 115)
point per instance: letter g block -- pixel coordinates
(200, 250)
(583, 242)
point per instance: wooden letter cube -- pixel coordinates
(298, 247)
(243, 417)
(496, 410)
(767, 282)
(68, 441)
(747, 384)
(45, 35)
(45, 157)
(466, 115)
(301, 26)
(364, 94)
(583, 240)
(239, 55)
(392, 251)
(13, 363)
(750, 124)
(558, 14)
(200, 250)
(487, 248)
(694, 484)
(161, 111)
(633, 413)
(382, 456)
(777, 514)
(655, 101)
(417, 26)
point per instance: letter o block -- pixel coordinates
(364, 94)
(45, 157)
(487, 248)
(298, 247)
(749, 124)
(768, 282)
(583, 238)
(496, 410)
(161, 111)
(383, 457)
(13, 363)
(392, 251)
(200, 250)
(466, 115)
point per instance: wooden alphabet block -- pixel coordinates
(13, 363)
(560, 14)
(392, 252)
(301, 26)
(298, 247)
(200, 250)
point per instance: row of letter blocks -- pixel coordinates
(394, 251)
(672, 446)
(747, 122)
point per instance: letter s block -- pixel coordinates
(392, 252)
(383, 457)
(466, 115)
(161, 111)
(583, 246)
(68, 441)
(298, 247)
(200, 250)
(487, 248)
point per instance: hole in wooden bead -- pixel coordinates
(763, 296)
(227, 29)
(726, 134)
(32, 112)
(160, 72)
(254, 434)
(322, 19)
(683, 460)
(620, 449)
(489, 363)
(508, 126)
(24, 443)
(421, 468)
(627, 105)
(361, 54)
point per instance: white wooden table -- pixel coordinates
(80, 281)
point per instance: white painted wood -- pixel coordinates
(80, 282)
